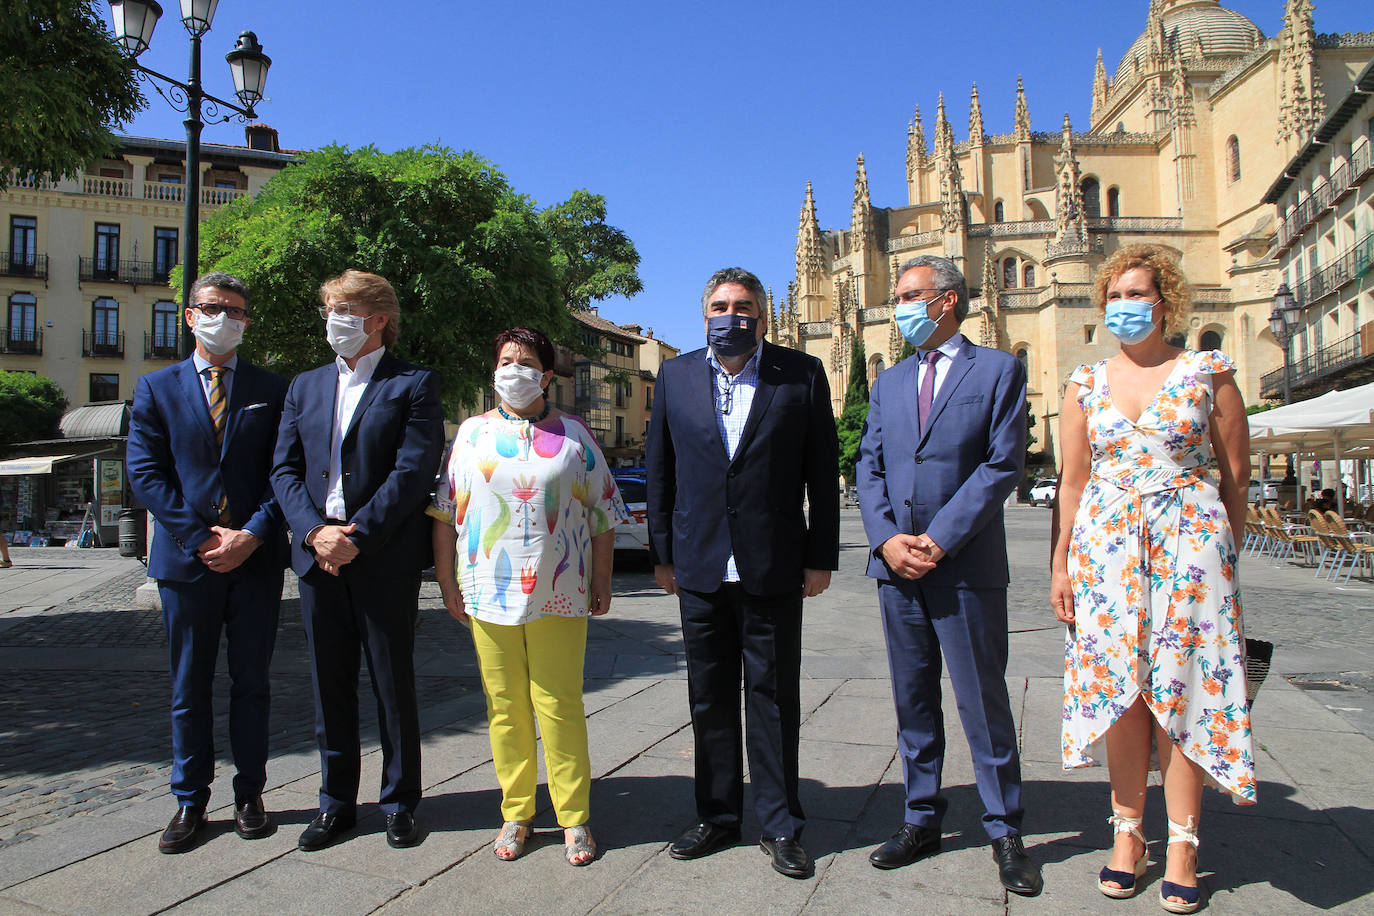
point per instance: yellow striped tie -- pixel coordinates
(219, 415)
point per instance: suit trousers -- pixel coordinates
(970, 626)
(724, 631)
(375, 613)
(534, 670)
(243, 604)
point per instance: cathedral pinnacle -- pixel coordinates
(944, 134)
(916, 152)
(861, 220)
(1099, 86)
(1023, 121)
(1301, 99)
(975, 119)
(1070, 226)
(810, 250)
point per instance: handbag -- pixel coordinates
(1258, 655)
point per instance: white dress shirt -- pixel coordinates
(949, 349)
(349, 391)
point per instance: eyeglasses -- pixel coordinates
(725, 391)
(344, 310)
(914, 295)
(211, 309)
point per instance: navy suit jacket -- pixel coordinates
(949, 484)
(178, 472)
(390, 455)
(702, 505)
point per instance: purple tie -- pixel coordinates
(927, 394)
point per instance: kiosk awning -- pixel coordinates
(14, 467)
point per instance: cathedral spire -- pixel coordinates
(916, 152)
(1070, 227)
(944, 134)
(1023, 121)
(1301, 98)
(810, 248)
(975, 119)
(951, 181)
(1099, 87)
(861, 217)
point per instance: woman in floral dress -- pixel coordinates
(1144, 570)
(523, 541)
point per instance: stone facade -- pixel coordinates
(1202, 112)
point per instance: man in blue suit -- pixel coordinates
(199, 454)
(943, 447)
(356, 456)
(741, 430)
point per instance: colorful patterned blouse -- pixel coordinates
(526, 499)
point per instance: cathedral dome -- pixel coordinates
(1190, 24)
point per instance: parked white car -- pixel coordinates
(635, 535)
(1044, 491)
(1270, 490)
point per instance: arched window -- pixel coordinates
(1023, 356)
(1210, 340)
(1092, 198)
(1009, 273)
(1113, 201)
(1233, 158)
(875, 365)
(999, 212)
(1028, 274)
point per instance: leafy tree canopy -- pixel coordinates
(64, 85)
(467, 255)
(850, 428)
(857, 392)
(30, 406)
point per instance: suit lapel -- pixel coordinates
(960, 368)
(770, 375)
(239, 395)
(702, 396)
(385, 366)
(194, 393)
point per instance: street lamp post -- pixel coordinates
(1282, 323)
(134, 21)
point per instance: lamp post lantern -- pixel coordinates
(1282, 323)
(134, 21)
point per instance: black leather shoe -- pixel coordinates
(1018, 873)
(325, 829)
(702, 839)
(789, 858)
(401, 830)
(180, 834)
(907, 845)
(250, 819)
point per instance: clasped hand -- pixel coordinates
(227, 548)
(333, 549)
(911, 556)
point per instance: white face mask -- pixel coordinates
(220, 334)
(346, 334)
(519, 386)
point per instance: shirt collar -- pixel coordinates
(750, 367)
(201, 363)
(366, 365)
(950, 348)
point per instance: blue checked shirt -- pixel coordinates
(737, 394)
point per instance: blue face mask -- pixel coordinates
(914, 321)
(1131, 320)
(732, 335)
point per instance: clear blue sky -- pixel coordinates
(700, 122)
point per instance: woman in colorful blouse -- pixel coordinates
(523, 541)
(1144, 570)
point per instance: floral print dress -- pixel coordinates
(1152, 560)
(526, 499)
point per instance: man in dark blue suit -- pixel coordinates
(943, 447)
(356, 456)
(199, 454)
(740, 432)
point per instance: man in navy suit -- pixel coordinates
(356, 456)
(943, 447)
(741, 430)
(199, 454)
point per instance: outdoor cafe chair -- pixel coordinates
(1288, 538)
(1356, 549)
(1331, 548)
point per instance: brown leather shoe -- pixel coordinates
(250, 819)
(180, 834)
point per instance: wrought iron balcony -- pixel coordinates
(1354, 263)
(1332, 359)
(159, 346)
(23, 264)
(102, 343)
(106, 270)
(22, 340)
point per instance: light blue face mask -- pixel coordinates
(914, 321)
(1131, 320)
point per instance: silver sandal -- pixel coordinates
(582, 844)
(510, 838)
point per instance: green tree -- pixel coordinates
(467, 255)
(1031, 438)
(850, 429)
(30, 406)
(857, 392)
(907, 350)
(64, 85)
(593, 260)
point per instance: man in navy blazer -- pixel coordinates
(199, 454)
(356, 456)
(741, 430)
(943, 447)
